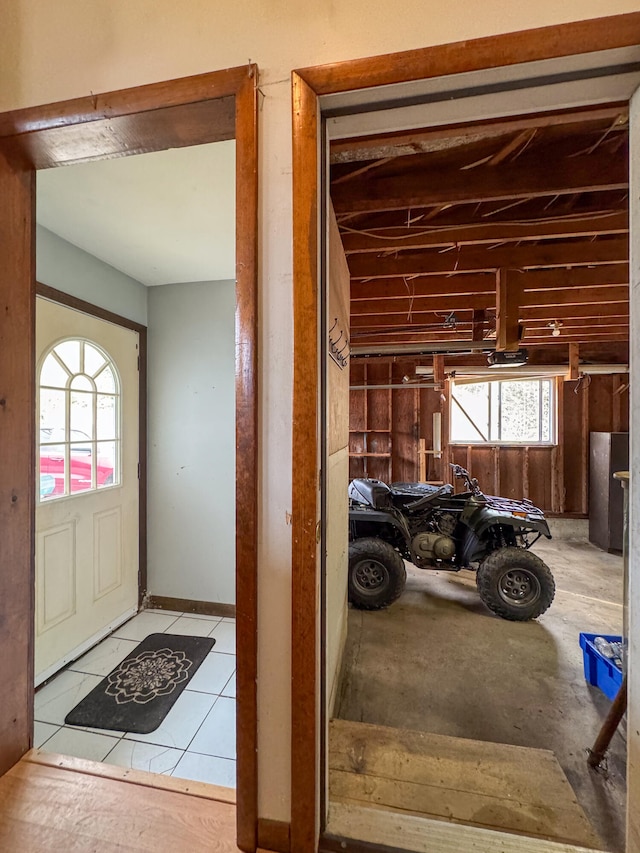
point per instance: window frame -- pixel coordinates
(491, 442)
(93, 440)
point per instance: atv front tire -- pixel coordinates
(377, 574)
(516, 584)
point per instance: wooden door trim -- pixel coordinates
(305, 496)
(597, 34)
(73, 302)
(308, 84)
(17, 458)
(142, 118)
(70, 301)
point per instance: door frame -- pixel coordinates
(309, 84)
(187, 111)
(68, 301)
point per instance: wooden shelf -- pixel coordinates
(386, 431)
(379, 455)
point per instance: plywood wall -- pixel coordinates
(386, 425)
(337, 463)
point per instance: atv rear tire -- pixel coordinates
(516, 584)
(377, 574)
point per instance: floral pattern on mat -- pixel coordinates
(150, 674)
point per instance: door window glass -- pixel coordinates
(79, 420)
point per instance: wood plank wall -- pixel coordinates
(386, 425)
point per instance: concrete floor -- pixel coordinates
(439, 661)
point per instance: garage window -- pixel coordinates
(79, 420)
(510, 411)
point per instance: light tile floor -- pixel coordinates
(197, 738)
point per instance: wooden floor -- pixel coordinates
(54, 803)
(488, 785)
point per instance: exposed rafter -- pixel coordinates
(428, 218)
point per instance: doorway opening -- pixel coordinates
(362, 111)
(153, 237)
(210, 108)
(423, 399)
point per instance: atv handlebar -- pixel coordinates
(462, 474)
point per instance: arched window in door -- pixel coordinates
(78, 419)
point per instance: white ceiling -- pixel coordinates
(161, 218)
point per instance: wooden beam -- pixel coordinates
(431, 185)
(438, 370)
(462, 214)
(563, 312)
(305, 668)
(570, 324)
(478, 324)
(426, 303)
(17, 462)
(477, 233)
(471, 259)
(465, 329)
(375, 338)
(574, 361)
(411, 306)
(508, 298)
(584, 438)
(616, 313)
(430, 285)
(580, 333)
(413, 139)
(576, 296)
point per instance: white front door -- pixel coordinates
(87, 482)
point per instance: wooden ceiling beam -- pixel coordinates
(411, 305)
(509, 295)
(413, 139)
(478, 324)
(399, 339)
(562, 312)
(574, 362)
(425, 322)
(571, 322)
(568, 314)
(483, 282)
(484, 233)
(585, 334)
(395, 288)
(576, 296)
(461, 215)
(520, 180)
(472, 259)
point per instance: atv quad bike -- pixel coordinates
(433, 528)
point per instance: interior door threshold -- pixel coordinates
(132, 776)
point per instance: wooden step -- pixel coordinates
(51, 803)
(491, 785)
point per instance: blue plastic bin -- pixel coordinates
(599, 670)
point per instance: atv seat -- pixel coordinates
(370, 492)
(414, 495)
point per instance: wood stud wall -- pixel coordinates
(386, 425)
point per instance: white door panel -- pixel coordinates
(86, 541)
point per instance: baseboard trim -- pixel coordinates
(274, 835)
(186, 605)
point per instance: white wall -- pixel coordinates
(74, 271)
(191, 441)
(67, 49)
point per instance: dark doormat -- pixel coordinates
(137, 695)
